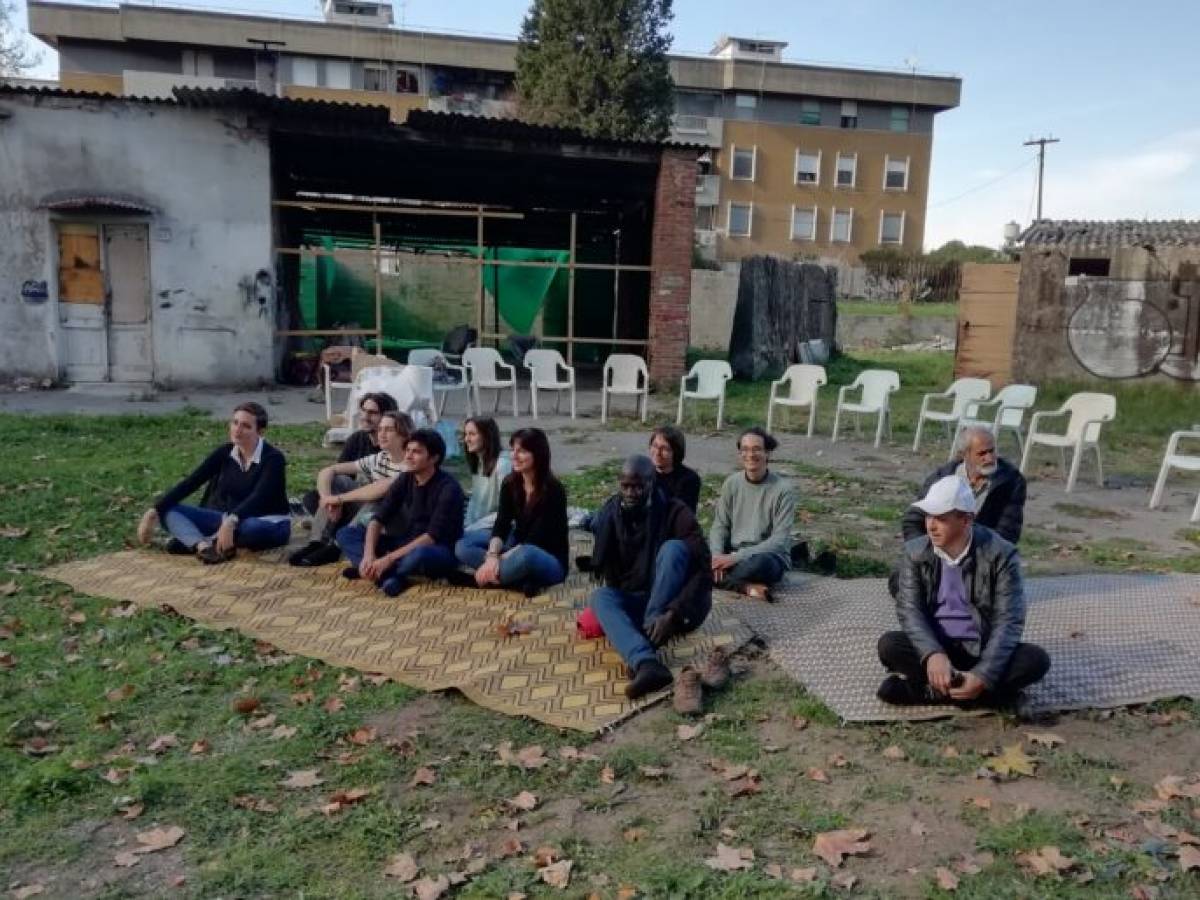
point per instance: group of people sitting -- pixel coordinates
(392, 510)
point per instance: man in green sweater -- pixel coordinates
(751, 536)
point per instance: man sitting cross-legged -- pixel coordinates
(751, 535)
(651, 555)
(414, 527)
(961, 604)
(340, 500)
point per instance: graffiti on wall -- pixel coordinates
(1134, 329)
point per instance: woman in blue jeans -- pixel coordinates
(527, 548)
(244, 503)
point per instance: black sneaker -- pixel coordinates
(211, 556)
(322, 554)
(177, 547)
(899, 691)
(300, 557)
(650, 676)
(351, 573)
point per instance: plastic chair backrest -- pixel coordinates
(803, 381)
(711, 375)
(625, 369)
(1020, 396)
(966, 390)
(876, 384)
(482, 361)
(410, 386)
(1089, 407)
(544, 364)
(360, 359)
(426, 356)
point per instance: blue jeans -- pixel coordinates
(431, 561)
(762, 568)
(626, 615)
(191, 524)
(525, 565)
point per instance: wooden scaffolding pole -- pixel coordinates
(479, 280)
(571, 297)
(378, 287)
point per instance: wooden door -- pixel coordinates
(81, 307)
(987, 320)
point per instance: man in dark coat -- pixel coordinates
(961, 606)
(654, 561)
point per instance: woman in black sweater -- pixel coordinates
(245, 500)
(528, 547)
(677, 481)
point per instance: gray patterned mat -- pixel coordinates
(1113, 640)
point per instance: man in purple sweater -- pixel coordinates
(961, 605)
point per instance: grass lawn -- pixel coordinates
(113, 723)
(883, 308)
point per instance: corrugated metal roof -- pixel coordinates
(515, 129)
(1117, 233)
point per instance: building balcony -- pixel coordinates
(704, 130)
(708, 190)
(162, 84)
(705, 242)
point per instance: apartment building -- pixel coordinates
(804, 161)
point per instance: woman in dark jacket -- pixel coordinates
(245, 500)
(528, 546)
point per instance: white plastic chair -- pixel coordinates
(410, 386)
(437, 361)
(359, 359)
(963, 391)
(624, 375)
(802, 382)
(711, 376)
(1010, 404)
(544, 366)
(877, 386)
(484, 364)
(1173, 459)
(1087, 412)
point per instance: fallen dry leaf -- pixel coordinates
(511, 847)
(980, 802)
(29, 890)
(283, 732)
(818, 775)
(1012, 761)
(974, 864)
(1046, 861)
(1045, 738)
(303, 698)
(950, 752)
(557, 874)
(39, 746)
(834, 846)
(1173, 786)
(303, 778)
(362, 736)
(730, 859)
(402, 867)
(126, 859)
(254, 804)
(689, 732)
(1189, 858)
(773, 870)
(115, 775)
(946, 879)
(10, 531)
(423, 775)
(124, 692)
(349, 684)
(574, 754)
(844, 880)
(334, 704)
(652, 772)
(132, 811)
(744, 787)
(1143, 807)
(544, 856)
(532, 757)
(799, 723)
(633, 835)
(159, 839)
(246, 705)
(163, 743)
(607, 775)
(339, 800)
(806, 875)
(430, 888)
(894, 753)
(838, 761)
(200, 747)
(524, 801)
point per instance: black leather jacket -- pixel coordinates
(995, 592)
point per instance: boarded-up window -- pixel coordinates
(80, 278)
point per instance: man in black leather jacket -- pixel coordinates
(961, 605)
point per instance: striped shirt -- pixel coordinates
(379, 466)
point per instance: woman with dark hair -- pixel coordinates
(489, 464)
(245, 500)
(527, 547)
(667, 449)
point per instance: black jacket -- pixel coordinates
(995, 592)
(667, 520)
(259, 491)
(682, 484)
(1003, 508)
(542, 523)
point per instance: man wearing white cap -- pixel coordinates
(961, 604)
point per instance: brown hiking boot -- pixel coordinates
(689, 696)
(716, 674)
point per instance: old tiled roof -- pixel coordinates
(1118, 233)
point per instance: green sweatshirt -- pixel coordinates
(754, 518)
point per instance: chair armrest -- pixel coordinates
(570, 370)
(512, 370)
(846, 388)
(1088, 423)
(1179, 437)
(461, 370)
(1046, 414)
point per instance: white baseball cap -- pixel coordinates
(946, 494)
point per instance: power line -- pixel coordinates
(980, 187)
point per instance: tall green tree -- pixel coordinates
(14, 55)
(597, 65)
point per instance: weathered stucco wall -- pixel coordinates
(714, 297)
(207, 176)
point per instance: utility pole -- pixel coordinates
(1041, 145)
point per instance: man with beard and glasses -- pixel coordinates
(650, 553)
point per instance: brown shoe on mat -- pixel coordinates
(758, 592)
(689, 696)
(716, 674)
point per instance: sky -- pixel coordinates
(1115, 82)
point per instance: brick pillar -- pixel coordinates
(671, 265)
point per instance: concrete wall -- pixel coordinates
(206, 175)
(861, 332)
(714, 298)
